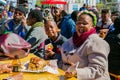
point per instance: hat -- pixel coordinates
(91, 14)
(47, 9)
(21, 9)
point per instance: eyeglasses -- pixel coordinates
(17, 12)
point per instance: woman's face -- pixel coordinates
(57, 12)
(51, 29)
(83, 24)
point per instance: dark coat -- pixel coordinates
(114, 56)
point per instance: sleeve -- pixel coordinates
(71, 27)
(2, 28)
(37, 35)
(97, 53)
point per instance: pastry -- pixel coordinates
(36, 63)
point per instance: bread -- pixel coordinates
(36, 63)
(5, 68)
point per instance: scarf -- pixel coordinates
(79, 40)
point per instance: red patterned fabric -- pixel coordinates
(12, 45)
(79, 40)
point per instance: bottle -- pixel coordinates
(16, 64)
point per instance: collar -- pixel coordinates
(38, 24)
(58, 37)
(108, 21)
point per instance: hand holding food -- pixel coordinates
(70, 74)
(49, 53)
(49, 47)
(71, 71)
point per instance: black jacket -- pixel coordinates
(114, 56)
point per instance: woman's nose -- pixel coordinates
(80, 25)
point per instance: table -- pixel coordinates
(35, 76)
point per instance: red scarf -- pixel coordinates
(79, 40)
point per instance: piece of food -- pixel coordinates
(5, 68)
(36, 63)
(49, 47)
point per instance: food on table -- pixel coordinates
(5, 68)
(36, 63)
(49, 47)
(15, 77)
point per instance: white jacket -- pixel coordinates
(92, 56)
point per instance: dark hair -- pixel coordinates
(85, 5)
(47, 20)
(37, 14)
(36, 5)
(74, 15)
(117, 24)
(105, 11)
(116, 13)
(21, 9)
(63, 13)
(11, 7)
(96, 13)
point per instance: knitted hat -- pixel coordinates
(21, 9)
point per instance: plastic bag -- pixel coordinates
(11, 45)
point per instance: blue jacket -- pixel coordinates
(67, 26)
(11, 26)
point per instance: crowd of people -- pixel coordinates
(83, 36)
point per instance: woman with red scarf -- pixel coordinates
(86, 48)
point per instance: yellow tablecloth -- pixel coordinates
(35, 76)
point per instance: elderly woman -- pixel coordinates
(87, 48)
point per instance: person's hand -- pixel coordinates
(70, 74)
(23, 21)
(71, 71)
(49, 53)
(71, 63)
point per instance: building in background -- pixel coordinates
(76, 4)
(12, 2)
(31, 4)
